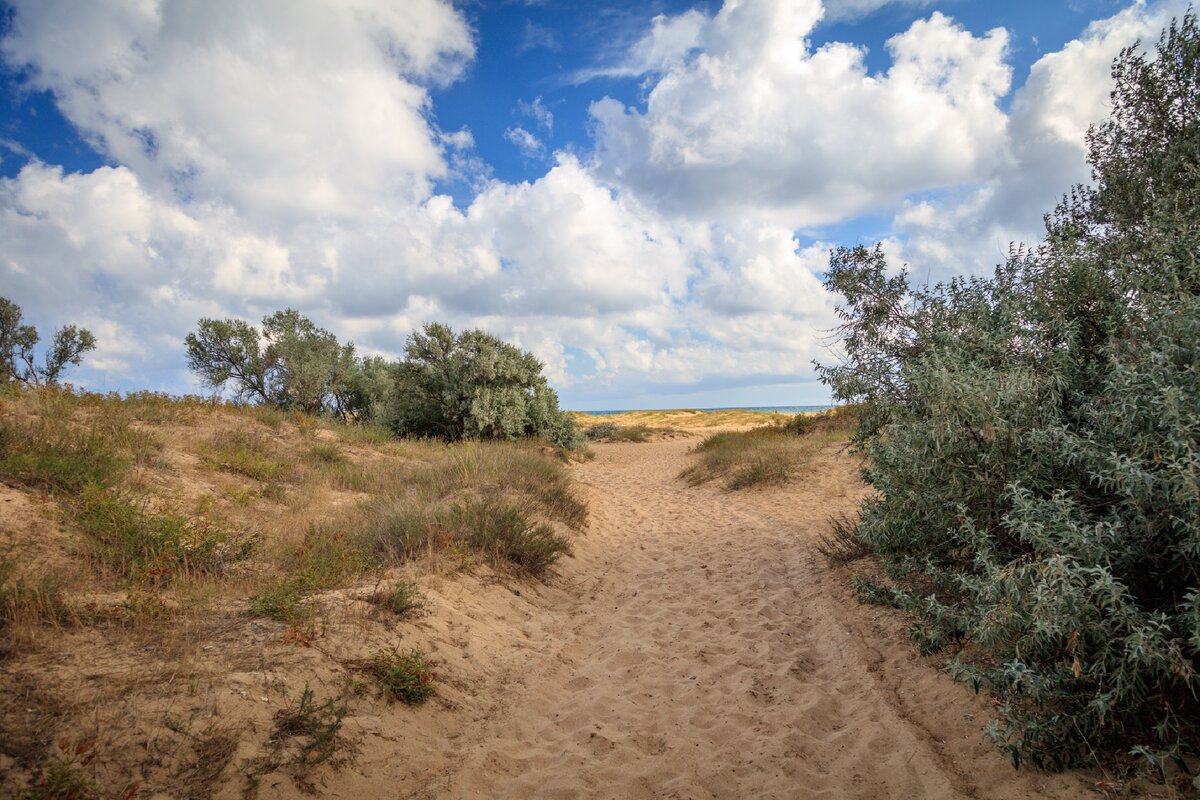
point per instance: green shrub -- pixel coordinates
(405, 676)
(1033, 438)
(55, 456)
(143, 545)
(472, 385)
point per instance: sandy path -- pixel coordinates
(709, 652)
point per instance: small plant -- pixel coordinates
(325, 560)
(611, 432)
(243, 453)
(402, 598)
(315, 727)
(842, 544)
(405, 676)
(326, 453)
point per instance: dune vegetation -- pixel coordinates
(148, 531)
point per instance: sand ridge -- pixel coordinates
(707, 651)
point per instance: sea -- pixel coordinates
(764, 409)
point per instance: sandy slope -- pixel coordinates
(702, 649)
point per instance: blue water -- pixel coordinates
(766, 409)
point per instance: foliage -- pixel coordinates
(17, 343)
(1033, 441)
(472, 385)
(405, 676)
(289, 364)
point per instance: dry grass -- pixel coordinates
(152, 542)
(768, 455)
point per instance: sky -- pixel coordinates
(644, 194)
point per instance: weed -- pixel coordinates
(405, 676)
(366, 433)
(61, 780)
(757, 457)
(57, 457)
(325, 560)
(842, 544)
(612, 432)
(243, 453)
(315, 727)
(402, 598)
(143, 545)
(326, 453)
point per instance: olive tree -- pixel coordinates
(19, 364)
(473, 385)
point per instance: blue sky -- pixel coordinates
(644, 194)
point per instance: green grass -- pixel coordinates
(57, 457)
(142, 545)
(243, 452)
(327, 559)
(763, 456)
(402, 598)
(405, 676)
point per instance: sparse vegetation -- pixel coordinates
(760, 456)
(406, 676)
(315, 728)
(244, 453)
(402, 598)
(612, 432)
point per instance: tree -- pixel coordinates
(1032, 438)
(472, 385)
(291, 364)
(17, 343)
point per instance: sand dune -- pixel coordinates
(699, 647)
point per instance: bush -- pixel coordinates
(471, 385)
(405, 676)
(1033, 441)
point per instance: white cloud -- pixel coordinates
(529, 145)
(269, 155)
(284, 112)
(667, 43)
(538, 113)
(757, 122)
(969, 231)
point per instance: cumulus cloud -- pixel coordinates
(970, 230)
(756, 121)
(268, 155)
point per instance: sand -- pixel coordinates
(697, 646)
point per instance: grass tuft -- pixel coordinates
(405, 676)
(842, 544)
(314, 727)
(402, 598)
(244, 453)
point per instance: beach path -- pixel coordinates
(706, 650)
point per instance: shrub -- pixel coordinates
(405, 676)
(1033, 438)
(315, 727)
(289, 364)
(472, 385)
